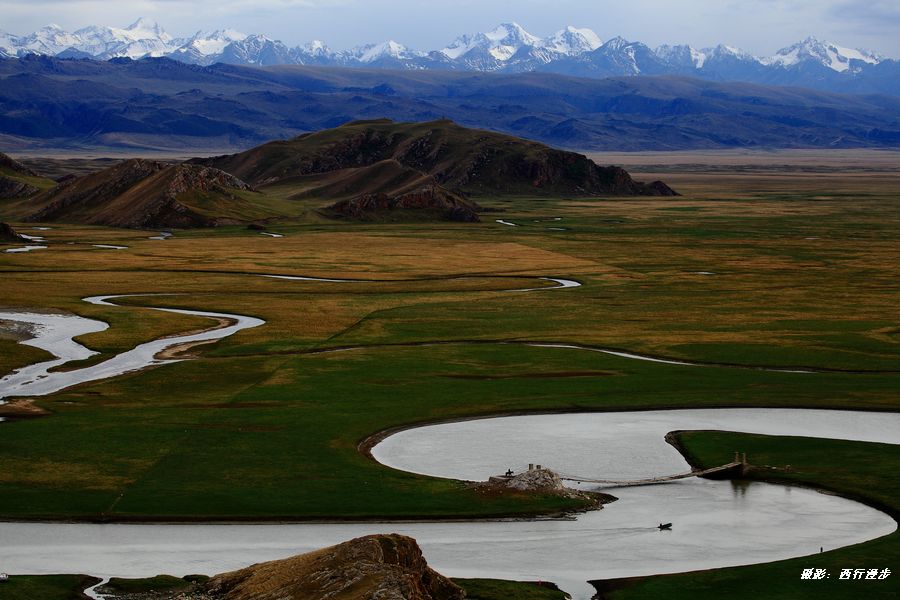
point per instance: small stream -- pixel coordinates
(54, 334)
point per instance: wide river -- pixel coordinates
(716, 523)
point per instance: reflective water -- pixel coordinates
(55, 336)
(715, 523)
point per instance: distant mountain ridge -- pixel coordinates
(164, 104)
(508, 48)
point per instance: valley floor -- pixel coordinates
(775, 264)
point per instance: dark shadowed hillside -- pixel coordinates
(8, 235)
(381, 156)
(144, 194)
(17, 180)
(160, 103)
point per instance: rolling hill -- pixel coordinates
(17, 180)
(381, 156)
(145, 194)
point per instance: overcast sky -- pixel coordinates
(758, 26)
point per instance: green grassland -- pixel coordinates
(46, 587)
(264, 425)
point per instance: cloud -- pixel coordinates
(875, 13)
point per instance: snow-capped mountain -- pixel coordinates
(370, 53)
(204, 45)
(500, 44)
(682, 56)
(572, 41)
(141, 38)
(837, 58)
(256, 50)
(507, 48)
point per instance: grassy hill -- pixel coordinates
(361, 155)
(18, 181)
(141, 193)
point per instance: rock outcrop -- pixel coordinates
(377, 567)
(543, 481)
(431, 201)
(12, 188)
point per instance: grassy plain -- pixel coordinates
(754, 265)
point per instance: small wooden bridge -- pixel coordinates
(737, 467)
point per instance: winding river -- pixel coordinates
(716, 523)
(55, 333)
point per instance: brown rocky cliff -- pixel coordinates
(377, 567)
(433, 199)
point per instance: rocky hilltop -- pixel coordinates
(143, 194)
(385, 567)
(432, 201)
(9, 163)
(383, 170)
(10, 186)
(463, 160)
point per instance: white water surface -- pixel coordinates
(56, 337)
(561, 284)
(24, 249)
(54, 334)
(716, 523)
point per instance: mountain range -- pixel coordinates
(160, 103)
(508, 48)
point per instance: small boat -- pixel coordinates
(665, 526)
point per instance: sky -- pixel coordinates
(759, 26)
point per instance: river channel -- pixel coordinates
(716, 523)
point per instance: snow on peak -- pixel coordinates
(723, 50)
(825, 53)
(617, 43)
(572, 41)
(502, 42)
(146, 25)
(211, 43)
(316, 46)
(388, 49)
(682, 55)
(512, 34)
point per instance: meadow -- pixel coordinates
(759, 263)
